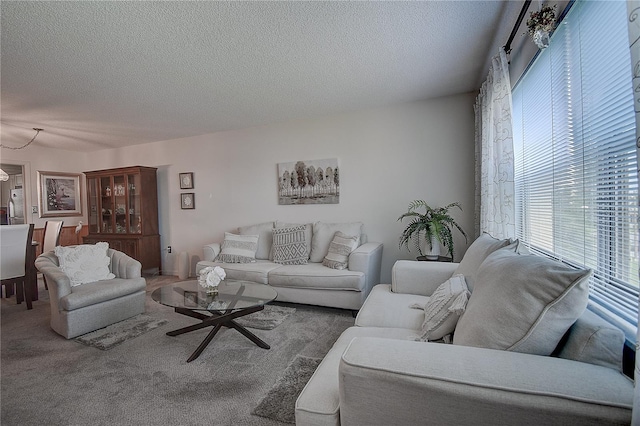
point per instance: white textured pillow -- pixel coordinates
(443, 309)
(339, 250)
(85, 263)
(238, 248)
(522, 303)
(290, 246)
(323, 234)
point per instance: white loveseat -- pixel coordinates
(311, 283)
(378, 374)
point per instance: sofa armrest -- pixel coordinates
(210, 252)
(384, 381)
(423, 278)
(58, 282)
(123, 265)
(367, 259)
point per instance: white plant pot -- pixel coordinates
(433, 252)
(541, 39)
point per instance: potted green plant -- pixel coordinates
(435, 225)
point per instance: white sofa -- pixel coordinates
(378, 374)
(311, 283)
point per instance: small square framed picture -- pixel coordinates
(186, 180)
(188, 200)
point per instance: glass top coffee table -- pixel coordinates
(234, 299)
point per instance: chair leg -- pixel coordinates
(27, 293)
(19, 292)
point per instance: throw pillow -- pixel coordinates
(477, 252)
(85, 263)
(443, 309)
(263, 230)
(238, 248)
(323, 234)
(522, 303)
(308, 233)
(593, 340)
(339, 250)
(290, 246)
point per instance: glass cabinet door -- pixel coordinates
(120, 207)
(94, 205)
(107, 204)
(135, 219)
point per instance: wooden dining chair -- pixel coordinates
(51, 239)
(17, 260)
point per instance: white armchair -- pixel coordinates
(76, 310)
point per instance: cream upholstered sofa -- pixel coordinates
(115, 295)
(380, 373)
(300, 276)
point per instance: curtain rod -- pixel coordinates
(525, 6)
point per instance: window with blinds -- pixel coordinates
(575, 156)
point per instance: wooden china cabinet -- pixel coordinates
(123, 211)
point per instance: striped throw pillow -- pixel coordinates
(339, 250)
(238, 248)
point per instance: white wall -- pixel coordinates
(388, 157)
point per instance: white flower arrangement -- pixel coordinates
(210, 277)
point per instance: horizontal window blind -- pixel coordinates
(575, 156)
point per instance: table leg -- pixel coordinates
(249, 335)
(205, 343)
(217, 321)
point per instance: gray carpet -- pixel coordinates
(46, 379)
(108, 337)
(268, 318)
(279, 403)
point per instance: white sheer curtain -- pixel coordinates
(633, 8)
(495, 211)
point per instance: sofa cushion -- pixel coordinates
(238, 248)
(319, 401)
(593, 340)
(522, 303)
(384, 308)
(257, 271)
(477, 252)
(339, 250)
(316, 276)
(263, 231)
(101, 291)
(443, 309)
(323, 234)
(308, 233)
(290, 246)
(85, 263)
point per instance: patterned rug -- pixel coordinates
(279, 403)
(108, 337)
(268, 318)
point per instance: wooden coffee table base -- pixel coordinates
(217, 321)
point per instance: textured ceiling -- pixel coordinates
(98, 74)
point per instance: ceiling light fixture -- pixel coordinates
(25, 145)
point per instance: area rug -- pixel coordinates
(108, 337)
(279, 403)
(268, 318)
